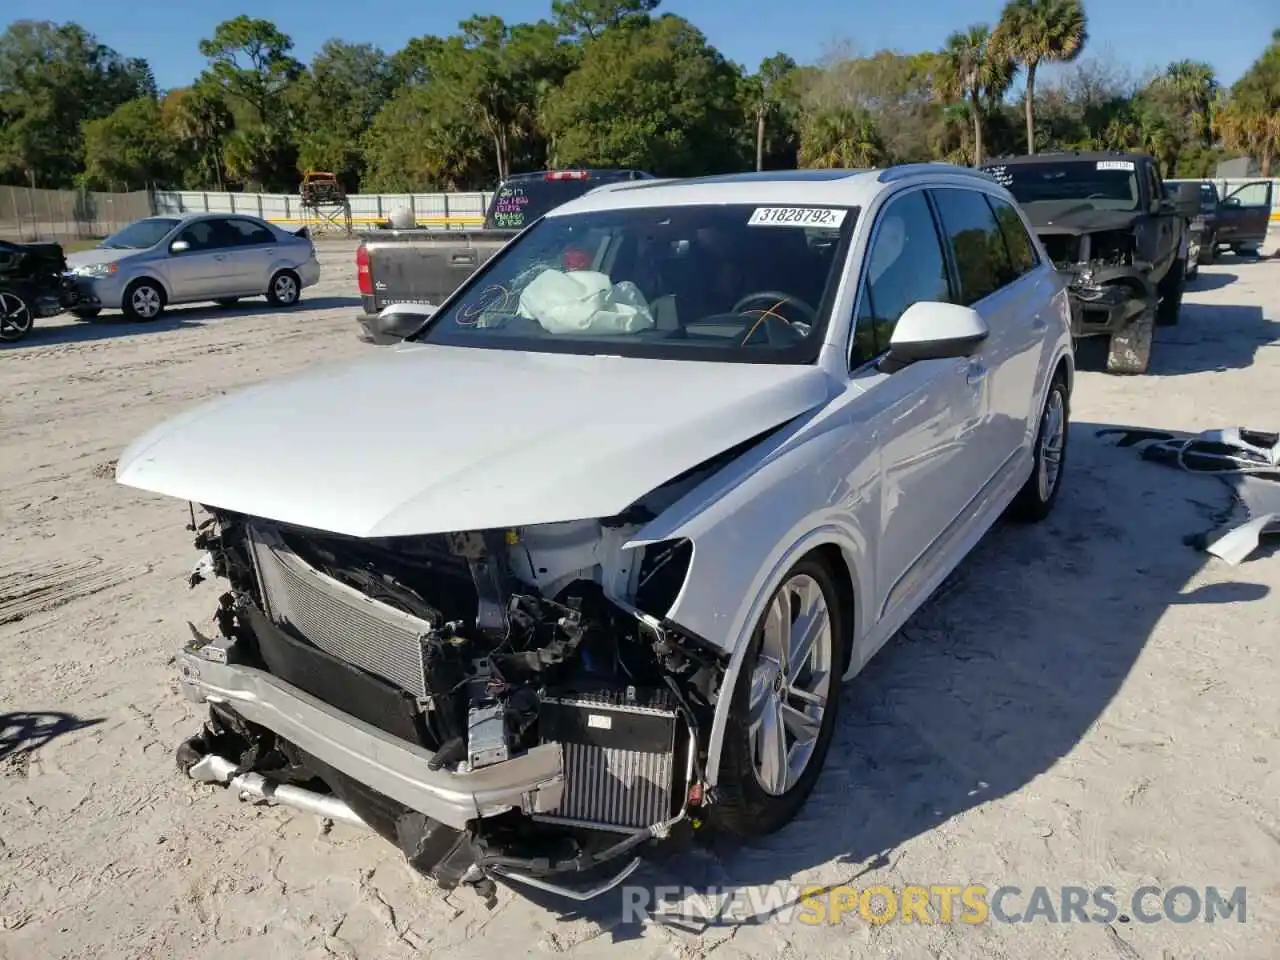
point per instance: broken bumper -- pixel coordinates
(531, 783)
(1103, 305)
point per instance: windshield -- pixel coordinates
(141, 235)
(519, 202)
(1103, 184)
(731, 282)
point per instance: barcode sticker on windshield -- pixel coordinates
(796, 217)
(1115, 164)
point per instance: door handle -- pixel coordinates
(975, 374)
(463, 258)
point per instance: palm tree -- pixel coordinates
(972, 70)
(1032, 32)
(844, 138)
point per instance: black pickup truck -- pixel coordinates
(422, 267)
(1106, 223)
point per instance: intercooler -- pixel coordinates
(339, 619)
(625, 762)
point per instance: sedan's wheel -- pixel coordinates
(1038, 494)
(144, 300)
(785, 703)
(285, 289)
(15, 317)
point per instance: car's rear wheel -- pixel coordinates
(143, 300)
(16, 317)
(1036, 498)
(785, 702)
(1130, 349)
(285, 289)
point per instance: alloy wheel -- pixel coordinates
(286, 288)
(146, 302)
(1053, 430)
(790, 684)
(15, 317)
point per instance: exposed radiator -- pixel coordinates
(338, 619)
(624, 762)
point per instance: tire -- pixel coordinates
(227, 302)
(1170, 308)
(1035, 500)
(1209, 250)
(1130, 350)
(16, 316)
(744, 806)
(143, 300)
(285, 289)
(86, 313)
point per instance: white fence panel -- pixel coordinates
(431, 210)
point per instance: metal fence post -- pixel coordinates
(448, 223)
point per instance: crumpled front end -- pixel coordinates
(1108, 286)
(499, 704)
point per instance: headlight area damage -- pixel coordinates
(1108, 286)
(488, 701)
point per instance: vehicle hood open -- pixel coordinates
(1076, 217)
(426, 439)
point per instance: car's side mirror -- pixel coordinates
(399, 320)
(930, 330)
(1186, 200)
(179, 246)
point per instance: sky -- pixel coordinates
(1142, 34)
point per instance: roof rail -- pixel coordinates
(903, 170)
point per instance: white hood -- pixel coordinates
(89, 258)
(426, 439)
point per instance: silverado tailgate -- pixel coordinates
(424, 266)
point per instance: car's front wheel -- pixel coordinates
(144, 300)
(784, 707)
(1036, 498)
(15, 317)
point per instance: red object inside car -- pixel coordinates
(577, 260)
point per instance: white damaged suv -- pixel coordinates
(677, 460)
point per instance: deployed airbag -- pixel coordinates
(584, 302)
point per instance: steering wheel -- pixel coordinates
(775, 299)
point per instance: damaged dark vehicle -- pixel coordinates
(1106, 222)
(33, 285)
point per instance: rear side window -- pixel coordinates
(982, 262)
(245, 233)
(1022, 252)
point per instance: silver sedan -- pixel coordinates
(192, 258)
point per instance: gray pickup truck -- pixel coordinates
(423, 267)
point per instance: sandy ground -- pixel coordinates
(1089, 702)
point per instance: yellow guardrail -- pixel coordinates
(461, 220)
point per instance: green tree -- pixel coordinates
(973, 70)
(1032, 32)
(337, 100)
(587, 19)
(766, 92)
(53, 78)
(495, 75)
(201, 121)
(422, 140)
(843, 138)
(656, 96)
(1248, 121)
(131, 147)
(250, 63)
(411, 64)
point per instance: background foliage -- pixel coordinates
(598, 82)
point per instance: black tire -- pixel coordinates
(285, 289)
(1129, 351)
(743, 808)
(1170, 309)
(1035, 500)
(16, 316)
(1209, 249)
(142, 292)
(227, 302)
